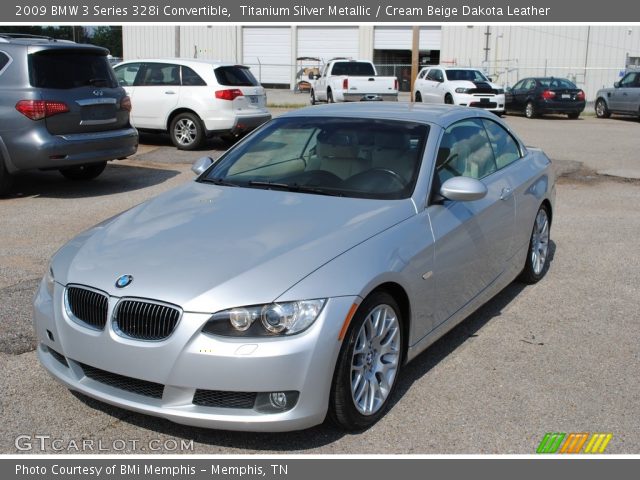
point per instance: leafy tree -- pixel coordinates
(109, 37)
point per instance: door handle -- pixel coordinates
(506, 193)
(170, 92)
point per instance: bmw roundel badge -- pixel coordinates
(123, 281)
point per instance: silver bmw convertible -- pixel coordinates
(297, 275)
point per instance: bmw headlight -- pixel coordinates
(49, 280)
(462, 90)
(274, 319)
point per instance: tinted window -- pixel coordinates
(159, 74)
(529, 84)
(518, 85)
(235, 77)
(191, 78)
(4, 60)
(435, 75)
(465, 151)
(353, 69)
(350, 157)
(64, 69)
(556, 83)
(629, 80)
(505, 147)
(126, 74)
(422, 74)
(470, 75)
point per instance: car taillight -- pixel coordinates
(580, 95)
(345, 84)
(548, 94)
(125, 104)
(229, 94)
(395, 84)
(39, 109)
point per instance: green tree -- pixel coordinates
(109, 37)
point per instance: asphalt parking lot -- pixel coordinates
(560, 356)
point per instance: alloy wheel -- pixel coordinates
(540, 242)
(185, 131)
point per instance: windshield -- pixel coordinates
(349, 157)
(470, 75)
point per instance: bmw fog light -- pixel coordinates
(276, 402)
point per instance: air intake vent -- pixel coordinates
(216, 398)
(88, 306)
(133, 385)
(145, 320)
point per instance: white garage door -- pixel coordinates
(267, 50)
(401, 38)
(328, 42)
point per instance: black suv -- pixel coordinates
(60, 108)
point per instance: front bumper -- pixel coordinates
(189, 360)
(491, 102)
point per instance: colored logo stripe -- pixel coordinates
(550, 443)
(573, 442)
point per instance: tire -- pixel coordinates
(5, 179)
(448, 99)
(186, 131)
(537, 262)
(530, 110)
(330, 97)
(368, 364)
(602, 111)
(312, 98)
(84, 172)
(573, 115)
(418, 97)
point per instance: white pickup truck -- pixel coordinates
(346, 80)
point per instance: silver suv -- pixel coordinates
(60, 108)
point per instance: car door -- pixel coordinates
(510, 97)
(156, 92)
(629, 93)
(620, 94)
(419, 84)
(320, 85)
(472, 239)
(432, 83)
(524, 94)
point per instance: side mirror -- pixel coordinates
(463, 189)
(316, 76)
(616, 85)
(200, 165)
(507, 90)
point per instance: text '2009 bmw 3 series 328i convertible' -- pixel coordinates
(296, 275)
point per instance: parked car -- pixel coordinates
(60, 109)
(347, 80)
(193, 99)
(623, 98)
(537, 96)
(467, 87)
(298, 273)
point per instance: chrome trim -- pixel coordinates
(96, 101)
(98, 122)
(118, 331)
(70, 313)
(129, 132)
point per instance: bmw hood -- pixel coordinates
(205, 247)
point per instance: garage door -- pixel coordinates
(267, 50)
(400, 38)
(328, 42)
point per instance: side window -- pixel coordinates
(439, 76)
(465, 151)
(422, 74)
(505, 148)
(518, 86)
(191, 78)
(4, 60)
(159, 74)
(126, 74)
(629, 80)
(530, 84)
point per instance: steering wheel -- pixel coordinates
(321, 178)
(377, 177)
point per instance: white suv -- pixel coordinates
(468, 87)
(193, 99)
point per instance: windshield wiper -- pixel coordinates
(219, 181)
(293, 188)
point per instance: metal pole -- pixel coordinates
(415, 58)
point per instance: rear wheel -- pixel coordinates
(418, 97)
(186, 131)
(530, 110)
(537, 261)
(84, 172)
(368, 365)
(573, 115)
(602, 111)
(330, 97)
(313, 97)
(5, 179)
(448, 99)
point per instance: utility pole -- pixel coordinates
(415, 57)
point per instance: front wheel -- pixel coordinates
(312, 98)
(448, 99)
(186, 131)
(418, 97)
(537, 262)
(368, 365)
(84, 172)
(602, 111)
